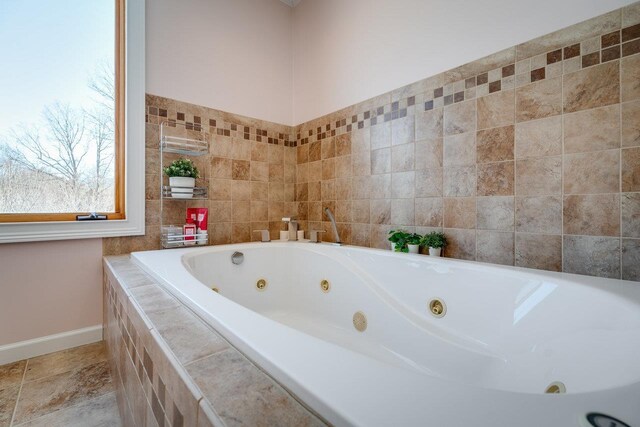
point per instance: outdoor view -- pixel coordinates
(57, 106)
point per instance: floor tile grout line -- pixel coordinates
(15, 408)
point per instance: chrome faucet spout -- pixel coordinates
(334, 226)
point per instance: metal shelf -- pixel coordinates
(199, 193)
(184, 146)
(183, 240)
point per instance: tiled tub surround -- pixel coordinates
(171, 369)
(528, 157)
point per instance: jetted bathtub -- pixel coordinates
(373, 338)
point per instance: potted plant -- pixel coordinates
(399, 240)
(413, 243)
(435, 241)
(182, 175)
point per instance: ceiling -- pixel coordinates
(292, 3)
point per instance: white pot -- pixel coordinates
(182, 187)
(414, 249)
(435, 251)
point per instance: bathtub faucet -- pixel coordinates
(333, 225)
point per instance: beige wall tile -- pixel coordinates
(593, 256)
(381, 161)
(380, 212)
(460, 117)
(361, 141)
(631, 259)
(429, 124)
(381, 135)
(460, 212)
(328, 148)
(402, 157)
(496, 110)
(381, 186)
(592, 87)
(403, 185)
(361, 235)
(495, 145)
(537, 177)
(429, 182)
(459, 181)
(429, 212)
(460, 150)
(461, 244)
(403, 130)
(361, 163)
(541, 251)
(539, 100)
(591, 130)
(596, 172)
(595, 215)
(495, 213)
(630, 78)
(428, 153)
(496, 247)
(631, 124)
(496, 179)
(539, 138)
(630, 207)
(361, 187)
(539, 214)
(402, 212)
(631, 169)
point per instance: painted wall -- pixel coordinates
(234, 56)
(348, 51)
(49, 287)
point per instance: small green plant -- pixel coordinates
(435, 239)
(401, 239)
(183, 168)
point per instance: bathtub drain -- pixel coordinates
(359, 321)
(325, 286)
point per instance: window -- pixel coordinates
(128, 33)
(62, 124)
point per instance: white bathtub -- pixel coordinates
(507, 334)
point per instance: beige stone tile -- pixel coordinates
(539, 100)
(591, 87)
(361, 187)
(343, 166)
(429, 212)
(260, 171)
(65, 361)
(240, 190)
(631, 259)
(539, 138)
(381, 186)
(63, 390)
(489, 62)
(630, 207)
(495, 213)
(314, 172)
(360, 211)
(596, 172)
(381, 135)
(540, 251)
(315, 151)
(429, 182)
(402, 211)
(361, 141)
(260, 191)
(241, 210)
(152, 298)
(96, 412)
(381, 161)
(460, 212)
(361, 235)
(496, 110)
(592, 27)
(496, 247)
(428, 153)
(361, 163)
(244, 395)
(539, 214)
(495, 179)
(343, 144)
(537, 177)
(631, 169)
(630, 78)
(402, 157)
(302, 170)
(593, 256)
(595, 215)
(460, 117)
(8, 399)
(591, 130)
(495, 145)
(403, 130)
(459, 181)
(631, 124)
(329, 168)
(260, 151)
(380, 212)
(460, 150)
(403, 185)
(631, 14)
(328, 148)
(429, 124)
(11, 374)
(461, 244)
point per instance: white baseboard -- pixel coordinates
(31, 348)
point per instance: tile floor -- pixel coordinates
(68, 388)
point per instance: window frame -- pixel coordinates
(129, 150)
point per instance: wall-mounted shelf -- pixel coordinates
(176, 138)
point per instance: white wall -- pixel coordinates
(348, 51)
(233, 55)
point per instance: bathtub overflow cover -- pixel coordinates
(437, 307)
(601, 420)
